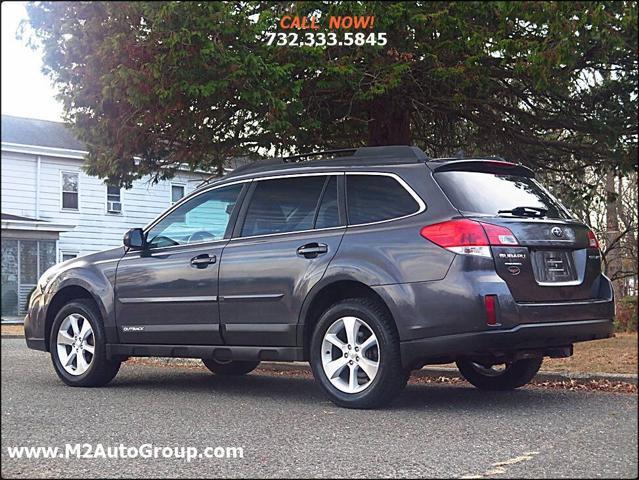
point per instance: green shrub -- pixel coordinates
(626, 320)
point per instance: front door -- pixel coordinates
(168, 292)
(291, 229)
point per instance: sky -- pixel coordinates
(26, 91)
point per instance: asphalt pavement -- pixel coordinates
(287, 428)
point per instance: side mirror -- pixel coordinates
(135, 239)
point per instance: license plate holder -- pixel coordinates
(554, 267)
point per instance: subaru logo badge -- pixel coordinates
(514, 270)
(557, 232)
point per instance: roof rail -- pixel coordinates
(404, 152)
(324, 153)
(361, 155)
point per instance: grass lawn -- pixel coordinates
(612, 355)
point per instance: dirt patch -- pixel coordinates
(12, 330)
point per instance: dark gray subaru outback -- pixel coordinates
(368, 265)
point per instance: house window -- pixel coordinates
(23, 262)
(114, 202)
(64, 256)
(70, 197)
(177, 192)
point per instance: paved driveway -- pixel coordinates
(287, 428)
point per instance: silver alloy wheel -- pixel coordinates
(350, 354)
(76, 344)
(492, 371)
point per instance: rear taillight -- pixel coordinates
(592, 240)
(499, 235)
(468, 237)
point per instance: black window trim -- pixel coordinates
(421, 204)
(341, 212)
(320, 199)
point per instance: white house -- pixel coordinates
(53, 211)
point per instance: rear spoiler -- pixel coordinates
(485, 166)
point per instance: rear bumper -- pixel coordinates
(416, 353)
(440, 321)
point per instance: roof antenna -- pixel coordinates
(460, 154)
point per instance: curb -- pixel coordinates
(12, 320)
(541, 376)
(446, 372)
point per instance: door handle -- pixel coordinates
(312, 250)
(203, 261)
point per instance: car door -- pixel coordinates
(289, 230)
(167, 293)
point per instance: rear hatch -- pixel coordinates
(553, 256)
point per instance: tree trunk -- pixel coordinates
(621, 226)
(632, 218)
(613, 257)
(389, 121)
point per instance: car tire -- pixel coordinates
(230, 368)
(374, 377)
(78, 350)
(514, 375)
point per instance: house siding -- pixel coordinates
(95, 229)
(18, 184)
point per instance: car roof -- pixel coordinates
(352, 157)
(362, 156)
(355, 157)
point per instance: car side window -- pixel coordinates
(328, 212)
(283, 205)
(203, 218)
(374, 198)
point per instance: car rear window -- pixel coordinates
(373, 198)
(488, 193)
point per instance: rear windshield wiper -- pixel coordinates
(526, 212)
